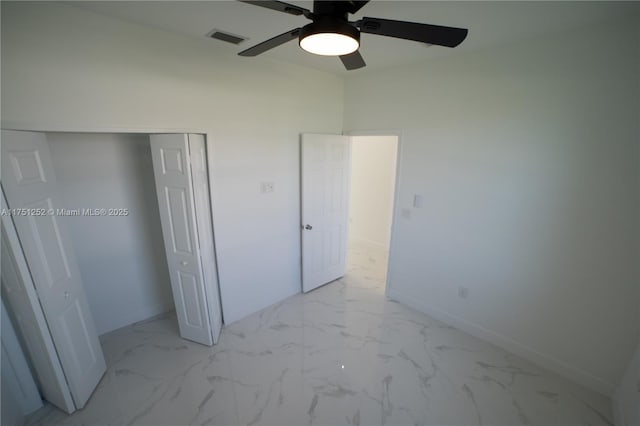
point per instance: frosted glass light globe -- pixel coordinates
(329, 44)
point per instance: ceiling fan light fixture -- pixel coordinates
(329, 38)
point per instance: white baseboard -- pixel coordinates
(143, 314)
(577, 375)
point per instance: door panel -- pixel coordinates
(48, 241)
(27, 167)
(74, 324)
(202, 198)
(171, 167)
(325, 174)
(20, 295)
(189, 289)
(178, 217)
(29, 182)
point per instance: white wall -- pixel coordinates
(121, 258)
(66, 68)
(373, 179)
(626, 399)
(527, 157)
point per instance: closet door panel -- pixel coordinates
(204, 220)
(30, 188)
(20, 295)
(172, 171)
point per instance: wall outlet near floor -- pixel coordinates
(266, 187)
(463, 292)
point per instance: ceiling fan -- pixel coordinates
(332, 34)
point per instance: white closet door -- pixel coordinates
(202, 198)
(325, 175)
(174, 185)
(29, 183)
(21, 296)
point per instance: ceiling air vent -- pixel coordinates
(224, 36)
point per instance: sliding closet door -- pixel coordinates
(174, 185)
(30, 188)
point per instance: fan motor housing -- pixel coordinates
(332, 8)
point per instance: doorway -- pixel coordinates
(348, 194)
(371, 203)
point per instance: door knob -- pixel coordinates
(184, 263)
(66, 294)
(308, 227)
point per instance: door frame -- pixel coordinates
(396, 196)
(33, 127)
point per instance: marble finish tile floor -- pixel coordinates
(340, 355)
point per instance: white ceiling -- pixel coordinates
(489, 24)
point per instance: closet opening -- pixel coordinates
(102, 231)
(121, 254)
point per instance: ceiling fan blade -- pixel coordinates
(281, 6)
(425, 33)
(271, 43)
(353, 61)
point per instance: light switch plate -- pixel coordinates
(418, 201)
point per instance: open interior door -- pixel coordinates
(30, 188)
(194, 291)
(325, 181)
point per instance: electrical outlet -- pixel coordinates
(266, 187)
(463, 292)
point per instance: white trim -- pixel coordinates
(546, 361)
(56, 128)
(396, 196)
